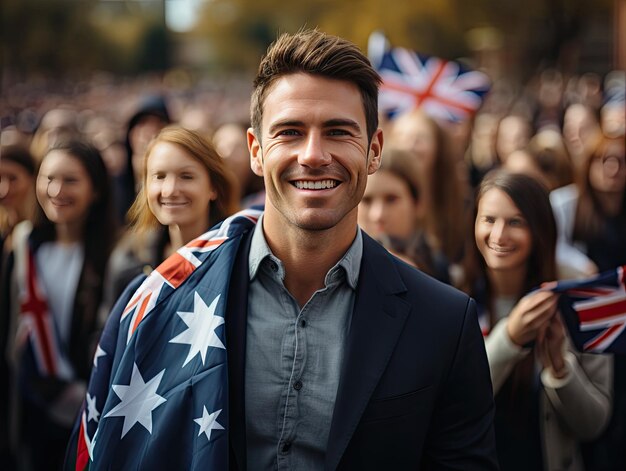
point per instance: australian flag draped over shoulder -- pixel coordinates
(444, 89)
(157, 397)
(594, 310)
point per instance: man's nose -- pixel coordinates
(313, 154)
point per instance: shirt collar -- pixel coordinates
(350, 262)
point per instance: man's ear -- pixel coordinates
(256, 153)
(375, 152)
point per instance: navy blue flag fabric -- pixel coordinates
(157, 397)
(594, 311)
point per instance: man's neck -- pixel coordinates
(307, 256)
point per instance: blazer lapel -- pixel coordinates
(377, 321)
(236, 346)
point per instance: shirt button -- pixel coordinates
(286, 447)
(302, 323)
(297, 385)
(273, 266)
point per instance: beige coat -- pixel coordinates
(574, 409)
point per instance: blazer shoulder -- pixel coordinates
(420, 284)
(424, 293)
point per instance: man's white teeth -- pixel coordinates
(319, 185)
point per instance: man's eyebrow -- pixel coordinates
(331, 123)
(340, 122)
(284, 123)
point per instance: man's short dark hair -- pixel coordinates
(316, 53)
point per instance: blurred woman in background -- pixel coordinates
(591, 216)
(17, 195)
(17, 205)
(591, 213)
(548, 397)
(441, 188)
(389, 212)
(55, 276)
(186, 189)
(545, 158)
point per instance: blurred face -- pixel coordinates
(140, 136)
(502, 234)
(513, 134)
(579, 127)
(607, 174)
(15, 184)
(230, 143)
(314, 154)
(178, 188)
(521, 162)
(64, 189)
(387, 207)
(414, 134)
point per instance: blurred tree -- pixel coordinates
(536, 33)
(127, 36)
(75, 37)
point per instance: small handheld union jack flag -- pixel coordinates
(444, 89)
(594, 310)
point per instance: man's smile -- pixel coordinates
(315, 185)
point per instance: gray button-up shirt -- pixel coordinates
(293, 359)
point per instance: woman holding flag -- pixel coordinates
(54, 287)
(548, 397)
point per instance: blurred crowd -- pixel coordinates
(101, 181)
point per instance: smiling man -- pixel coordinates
(343, 357)
(297, 343)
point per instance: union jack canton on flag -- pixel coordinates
(594, 310)
(157, 397)
(446, 90)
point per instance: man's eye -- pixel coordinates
(288, 132)
(338, 132)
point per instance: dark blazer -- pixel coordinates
(415, 390)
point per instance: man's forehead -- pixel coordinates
(299, 93)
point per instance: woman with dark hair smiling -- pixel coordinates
(55, 287)
(549, 398)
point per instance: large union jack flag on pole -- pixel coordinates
(594, 310)
(444, 89)
(157, 396)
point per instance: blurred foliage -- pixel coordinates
(75, 37)
(63, 37)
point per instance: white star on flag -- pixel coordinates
(139, 399)
(201, 323)
(208, 422)
(99, 353)
(92, 411)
